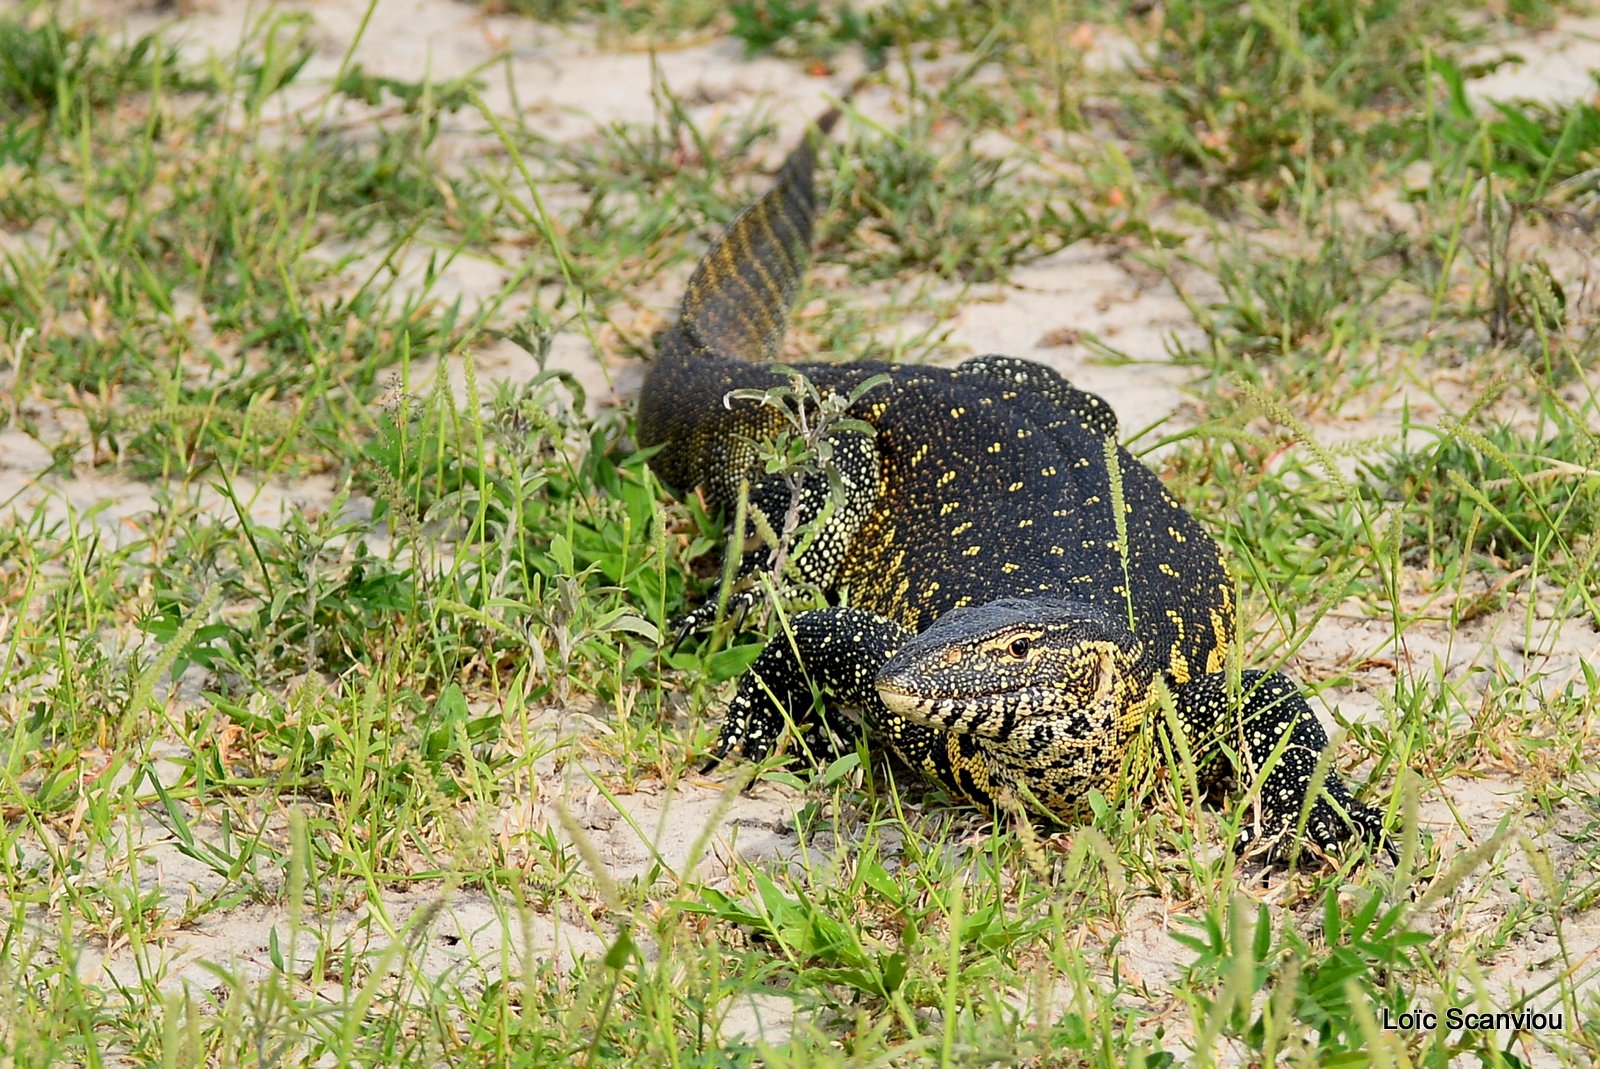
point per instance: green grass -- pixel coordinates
(360, 668)
(617, 17)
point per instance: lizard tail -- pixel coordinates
(736, 309)
(737, 303)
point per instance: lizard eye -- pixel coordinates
(1019, 647)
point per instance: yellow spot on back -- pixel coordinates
(1217, 659)
(1180, 666)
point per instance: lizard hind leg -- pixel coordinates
(1036, 381)
(798, 533)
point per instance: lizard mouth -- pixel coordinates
(971, 714)
(904, 703)
(906, 688)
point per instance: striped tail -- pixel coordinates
(738, 300)
(734, 316)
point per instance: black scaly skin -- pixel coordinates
(990, 627)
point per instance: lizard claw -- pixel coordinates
(698, 618)
(727, 743)
(681, 627)
(1334, 827)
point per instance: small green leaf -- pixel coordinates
(622, 948)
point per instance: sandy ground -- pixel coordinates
(573, 85)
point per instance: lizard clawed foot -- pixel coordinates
(751, 749)
(699, 618)
(718, 754)
(1331, 830)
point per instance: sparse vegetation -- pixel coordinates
(336, 724)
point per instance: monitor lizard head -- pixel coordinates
(997, 670)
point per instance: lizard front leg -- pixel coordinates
(835, 654)
(1252, 723)
(831, 653)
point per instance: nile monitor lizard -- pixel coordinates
(993, 619)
